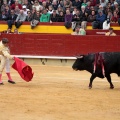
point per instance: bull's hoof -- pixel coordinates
(90, 87)
(111, 87)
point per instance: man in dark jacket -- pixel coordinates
(54, 17)
(11, 18)
(100, 18)
(3, 16)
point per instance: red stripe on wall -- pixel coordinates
(60, 45)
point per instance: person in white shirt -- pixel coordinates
(106, 24)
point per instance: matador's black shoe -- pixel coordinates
(10, 81)
(2, 83)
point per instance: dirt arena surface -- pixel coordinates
(59, 93)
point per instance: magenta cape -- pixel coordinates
(23, 69)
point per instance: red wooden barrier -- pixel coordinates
(56, 23)
(60, 45)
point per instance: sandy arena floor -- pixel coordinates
(59, 93)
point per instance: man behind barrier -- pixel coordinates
(110, 33)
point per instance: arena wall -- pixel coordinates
(60, 45)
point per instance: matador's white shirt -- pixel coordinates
(5, 51)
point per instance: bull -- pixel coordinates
(99, 65)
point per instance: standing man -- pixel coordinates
(5, 63)
(110, 33)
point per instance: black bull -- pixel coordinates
(106, 63)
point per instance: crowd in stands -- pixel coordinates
(73, 13)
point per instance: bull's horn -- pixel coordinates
(80, 56)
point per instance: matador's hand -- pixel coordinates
(13, 58)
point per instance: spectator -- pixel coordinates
(109, 16)
(3, 6)
(119, 21)
(24, 9)
(17, 10)
(11, 19)
(94, 3)
(84, 20)
(112, 4)
(115, 17)
(50, 9)
(65, 5)
(68, 8)
(110, 33)
(107, 9)
(55, 4)
(10, 2)
(3, 16)
(48, 3)
(92, 16)
(8, 31)
(69, 4)
(45, 17)
(93, 8)
(116, 5)
(103, 3)
(100, 18)
(20, 1)
(61, 17)
(88, 7)
(82, 31)
(7, 10)
(106, 24)
(59, 9)
(76, 20)
(82, 10)
(33, 10)
(101, 8)
(40, 1)
(77, 4)
(20, 19)
(1, 3)
(44, 4)
(118, 1)
(74, 10)
(16, 4)
(29, 16)
(31, 2)
(109, 4)
(16, 31)
(76, 31)
(83, 16)
(35, 20)
(117, 11)
(27, 4)
(84, 3)
(37, 6)
(68, 19)
(54, 17)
